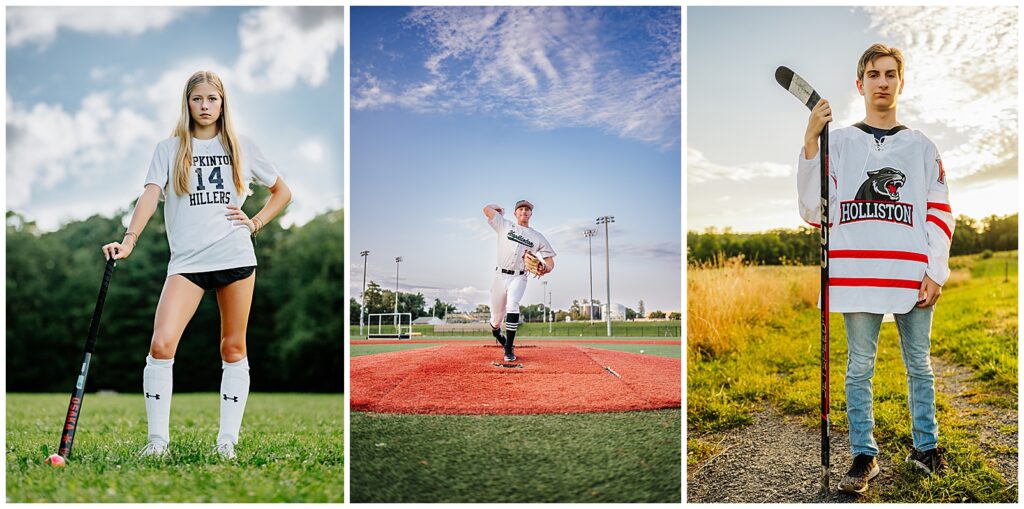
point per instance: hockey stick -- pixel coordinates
(807, 95)
(67, 436)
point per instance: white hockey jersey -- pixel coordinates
(889, 217)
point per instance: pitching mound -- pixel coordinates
(468, 379)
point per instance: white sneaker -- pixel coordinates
(154, 450)
(226, 450)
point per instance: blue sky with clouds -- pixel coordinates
(575, 109)
(745, 132)
(90, 91)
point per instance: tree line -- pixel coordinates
(801, 246)
(295, 333)
(380, 300)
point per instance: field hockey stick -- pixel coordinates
(67, 436)
(806, 94)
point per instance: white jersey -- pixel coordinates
(200, 235)
(513, 242)
(889, 216)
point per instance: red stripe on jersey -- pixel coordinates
(909, 284)
(878, 254)
(816, 225)
(940, 206)
(941, 224)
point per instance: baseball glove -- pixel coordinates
(535, 265)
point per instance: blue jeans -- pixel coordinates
(915, 344)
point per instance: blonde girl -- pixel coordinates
(202, 172)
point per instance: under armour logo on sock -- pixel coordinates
(154, 396)
(232, 398)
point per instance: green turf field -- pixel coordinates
(613, 457)
(674, 351)
(290, 450)
(610, 457)
(665, 329)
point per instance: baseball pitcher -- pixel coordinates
(521, 250)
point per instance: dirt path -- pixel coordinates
(776, 459)
(990, 422)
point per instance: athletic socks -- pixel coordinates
(511, 324)
(157, 381)
(234, 391)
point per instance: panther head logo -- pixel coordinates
(882, 185)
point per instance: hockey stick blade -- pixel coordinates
(797, 86)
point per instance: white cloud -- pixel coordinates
(39, 25)
(550, 67)
(312, 151)
(47, 145)
(700, 169)
(53, 147)
(284, 45)
(961, 78)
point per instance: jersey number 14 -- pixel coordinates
(215, 178)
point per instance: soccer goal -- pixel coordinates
(389, 326)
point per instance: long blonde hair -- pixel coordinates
(225, 129)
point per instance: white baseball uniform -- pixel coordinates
(890, 219)
(510, 273)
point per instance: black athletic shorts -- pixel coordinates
(219, 278)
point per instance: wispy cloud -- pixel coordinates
(960, 76)
(476, 227)
(700, 169)
(40, 25)
(551, 67)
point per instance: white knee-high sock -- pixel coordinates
(234, 391)
(157, 383)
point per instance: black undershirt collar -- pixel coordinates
(879, 133)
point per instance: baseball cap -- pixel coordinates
(523, 203)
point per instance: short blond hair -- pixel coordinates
(876, 51)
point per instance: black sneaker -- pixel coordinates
(497, 336)
(863, 470)
(510, 355)
(930, 461)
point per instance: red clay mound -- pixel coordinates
(463, 379)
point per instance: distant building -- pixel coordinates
(618, 312)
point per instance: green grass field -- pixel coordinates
(674, 351)
(290, 450)
(610, 457)
(620, 457)
(975, 325)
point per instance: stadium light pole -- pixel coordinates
(398, 260)
(362, 296)
(551, 324)
(589, 234)
(605, 220)
(545, 311)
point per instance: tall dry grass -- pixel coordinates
(727, 297)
